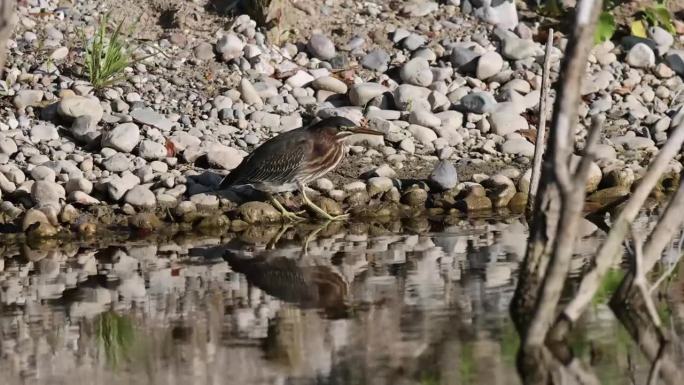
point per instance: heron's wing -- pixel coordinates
(276, 161)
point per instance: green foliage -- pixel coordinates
(115, 335)
(659, 16)
(605, 27)
(611, 281)
(108, 55)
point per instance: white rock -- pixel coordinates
(124, 137)
(224, 157)
(489, 65)
(417, 72)
(150, 150)
(641, 56)
(360, 94)
(140, 196)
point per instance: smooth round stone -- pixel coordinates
(424, 118)
(416, 72)
(329, 83)
(124, 137)
(377, 60)
(140, 196)
(361, 94)
(488, 65)
(641, 56)
(444, 175)
(321, 47)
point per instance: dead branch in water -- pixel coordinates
(540, 141)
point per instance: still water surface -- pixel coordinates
(428, 308)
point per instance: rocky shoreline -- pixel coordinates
(454, 89)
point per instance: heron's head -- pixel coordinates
(342, 127)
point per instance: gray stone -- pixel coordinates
(479, 102)
(124, 137)
(230, 47)
(151, 150)
(361, 94)
(503, 15)
(151, 118)
(329, 83)
(489, 65)
(224, 157)
(46, 193)
(379, 185)
(116, 163)
(321, 47)
(518, 146)
(675, 60)
(79, 184)
(444, 175)
(662, 38)
(377, 60)
(204, 51)
(463, 54)
(43, 173)
(408, 97)
(140, 196)
(641, 56)
(72, 107)
(517, 49)
(505, 122)
(413, 42)
(27, 98)
(119, 185)
(422, 134)
(44, 133)
(424, 118)
(417, 72)
(8, 146)
(249, 94)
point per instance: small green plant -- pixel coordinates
(115, 334)
(656, 16)
(605, 27)
(108, 55)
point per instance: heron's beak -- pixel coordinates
(367, 131)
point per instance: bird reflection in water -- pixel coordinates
(308, 287)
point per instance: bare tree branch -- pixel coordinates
(540, 142)
(588, 153)
(561, 138)
(611, 248)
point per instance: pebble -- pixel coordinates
(515, 48)
(140, 196)
(444, 175)
(116, 163)
(505, 122)
(151, 150)
(151, 118)
(479, 102)
(361, 94)
(321, 47)
(641, 56)
(377, 60)
(417, 72)
(230, 47)
(424, 118)
(27, 98)
(488, 65)
(518, 146)
(74, 106)
(123, 137)
(329, 83)
(249, 94)
(224, 157)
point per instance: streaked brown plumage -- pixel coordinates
(295, 158)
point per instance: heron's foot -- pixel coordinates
(322, 213)
(290, 216)
(285, 213)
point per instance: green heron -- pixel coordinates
(292, 159)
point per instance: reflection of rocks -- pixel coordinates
(396, 301)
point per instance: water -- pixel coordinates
(355, 306)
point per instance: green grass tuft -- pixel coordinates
(108, 55)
